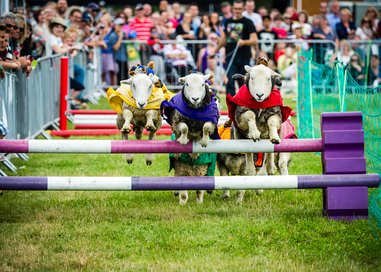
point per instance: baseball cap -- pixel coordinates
(93, 6)
(139, 6)
(86, 17)
(119, 21)
(225, 4)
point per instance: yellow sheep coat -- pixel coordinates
(123, 93)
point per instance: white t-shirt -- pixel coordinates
(255, 17)
(168, 49)
(50, 42)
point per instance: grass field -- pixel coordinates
(282, 230)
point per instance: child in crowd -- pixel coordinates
(298, 36)
(218, 72)
(282, 34)
(5, 62)
(267, 34)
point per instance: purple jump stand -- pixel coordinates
(343, 153)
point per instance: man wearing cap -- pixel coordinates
(141, 24)
(119, 49)
(238, 31)
(226, 10)
(93, 9)
(61, 8)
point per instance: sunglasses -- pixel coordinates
(12, 26)
(353, 60)
(287, 18)
(21, 29)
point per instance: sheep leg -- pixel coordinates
(129, 157)
(127, 115)
(151, 115)
(193, 156)
(250, 171)
(282, 165)
(270, 165)
(274, 124)
(200, 196)
(224, 171)
(207, 129)
(183, 197)
(183, 140)
(254, 133)
(150, 157)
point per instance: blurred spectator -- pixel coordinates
(269, 35)
(356, 69)
(147, 10)
(303, 21)
(315, 22)
(157, 24)
(185, 29)
(119, 50)
(193, 10)
(204, 29)
(282, 34)
(372, 13)
(333, 18)
(53, 6)
(28, 46)
(61, 8)
(218, 72)
(346, 28)
(226, 10)
(156, 49)
(287, 63)
(109, 66)
(365, 31)
(205, 52)
(293, 12)
(176, 55)
(287, 23)
(54, 43)
(215, 24)
(177, 10)
(49, 14)
(74, 15)
(141, 24)
(262, 11)
(166, 24)
(325, 51)
(323, 8)
(273, 13)
(255, 17)
(280, 50)
(374, 74)
(346, 52)
(298, 38)
(358, 48)
(128, 13)
(6, 58)
(163, 5)
(40, 32)
(94, 10)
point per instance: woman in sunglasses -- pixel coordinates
(356, 69)
(365, 31)
(372, 13)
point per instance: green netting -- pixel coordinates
(331, 88)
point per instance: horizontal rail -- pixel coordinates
(186, 183)
(157, 146)
(108, 112)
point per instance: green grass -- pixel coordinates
(281, 230)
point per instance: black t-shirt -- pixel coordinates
(270, 36)
(238, 29)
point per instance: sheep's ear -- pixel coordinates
(247, 68)
(276, 75)
(154, 79)
(127, 81)
(182, 79)
(208, 76)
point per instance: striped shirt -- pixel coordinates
(142, 28)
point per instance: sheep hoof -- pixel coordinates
(209, 191)
(183, 140)
(150, 127)
(259, 192)
(225, 197)
(126, 129)
(275, 141)
(176, 193)
(183, 198)
(148, 162)
(204, 142)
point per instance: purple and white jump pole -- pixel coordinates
(344, 180)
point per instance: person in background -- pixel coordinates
(323, 8)
(287, 64)
(177, 54)
(226, 10)
(357, 48)
(218, 72)
(129, 14)
(298, 37)
(166, 24)
(262, 11)
(54, 43)
(205, 28)
(356, 69)
(163, 5)
(288, 23)
(365, 31)
(346, 52)
(215, 24)
(119, 50)
(346, 28)
(141, 24)
(177, 10)
(374, 73)
(156, 48)
(205, 52)
(293, 12)
(94, 10)
(255, 17)
(303, 21)
(333, 18)
(282, 34)
(147, 10)
(49, 14)
(5, 62)
(40, 32)
(315, 23)
(185, 29)
(74, 15)
(372, 13)
(157, 24)
(193, 10)
(61, 8)
(325, 32)
(239, 31)
(28, 46)
(269, 35)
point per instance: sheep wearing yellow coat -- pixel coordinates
(137, 103)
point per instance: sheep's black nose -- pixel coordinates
(259, 95)
(195, 99)
(141, 104)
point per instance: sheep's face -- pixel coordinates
(141, 88)
(195, 88)
(260, 81)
